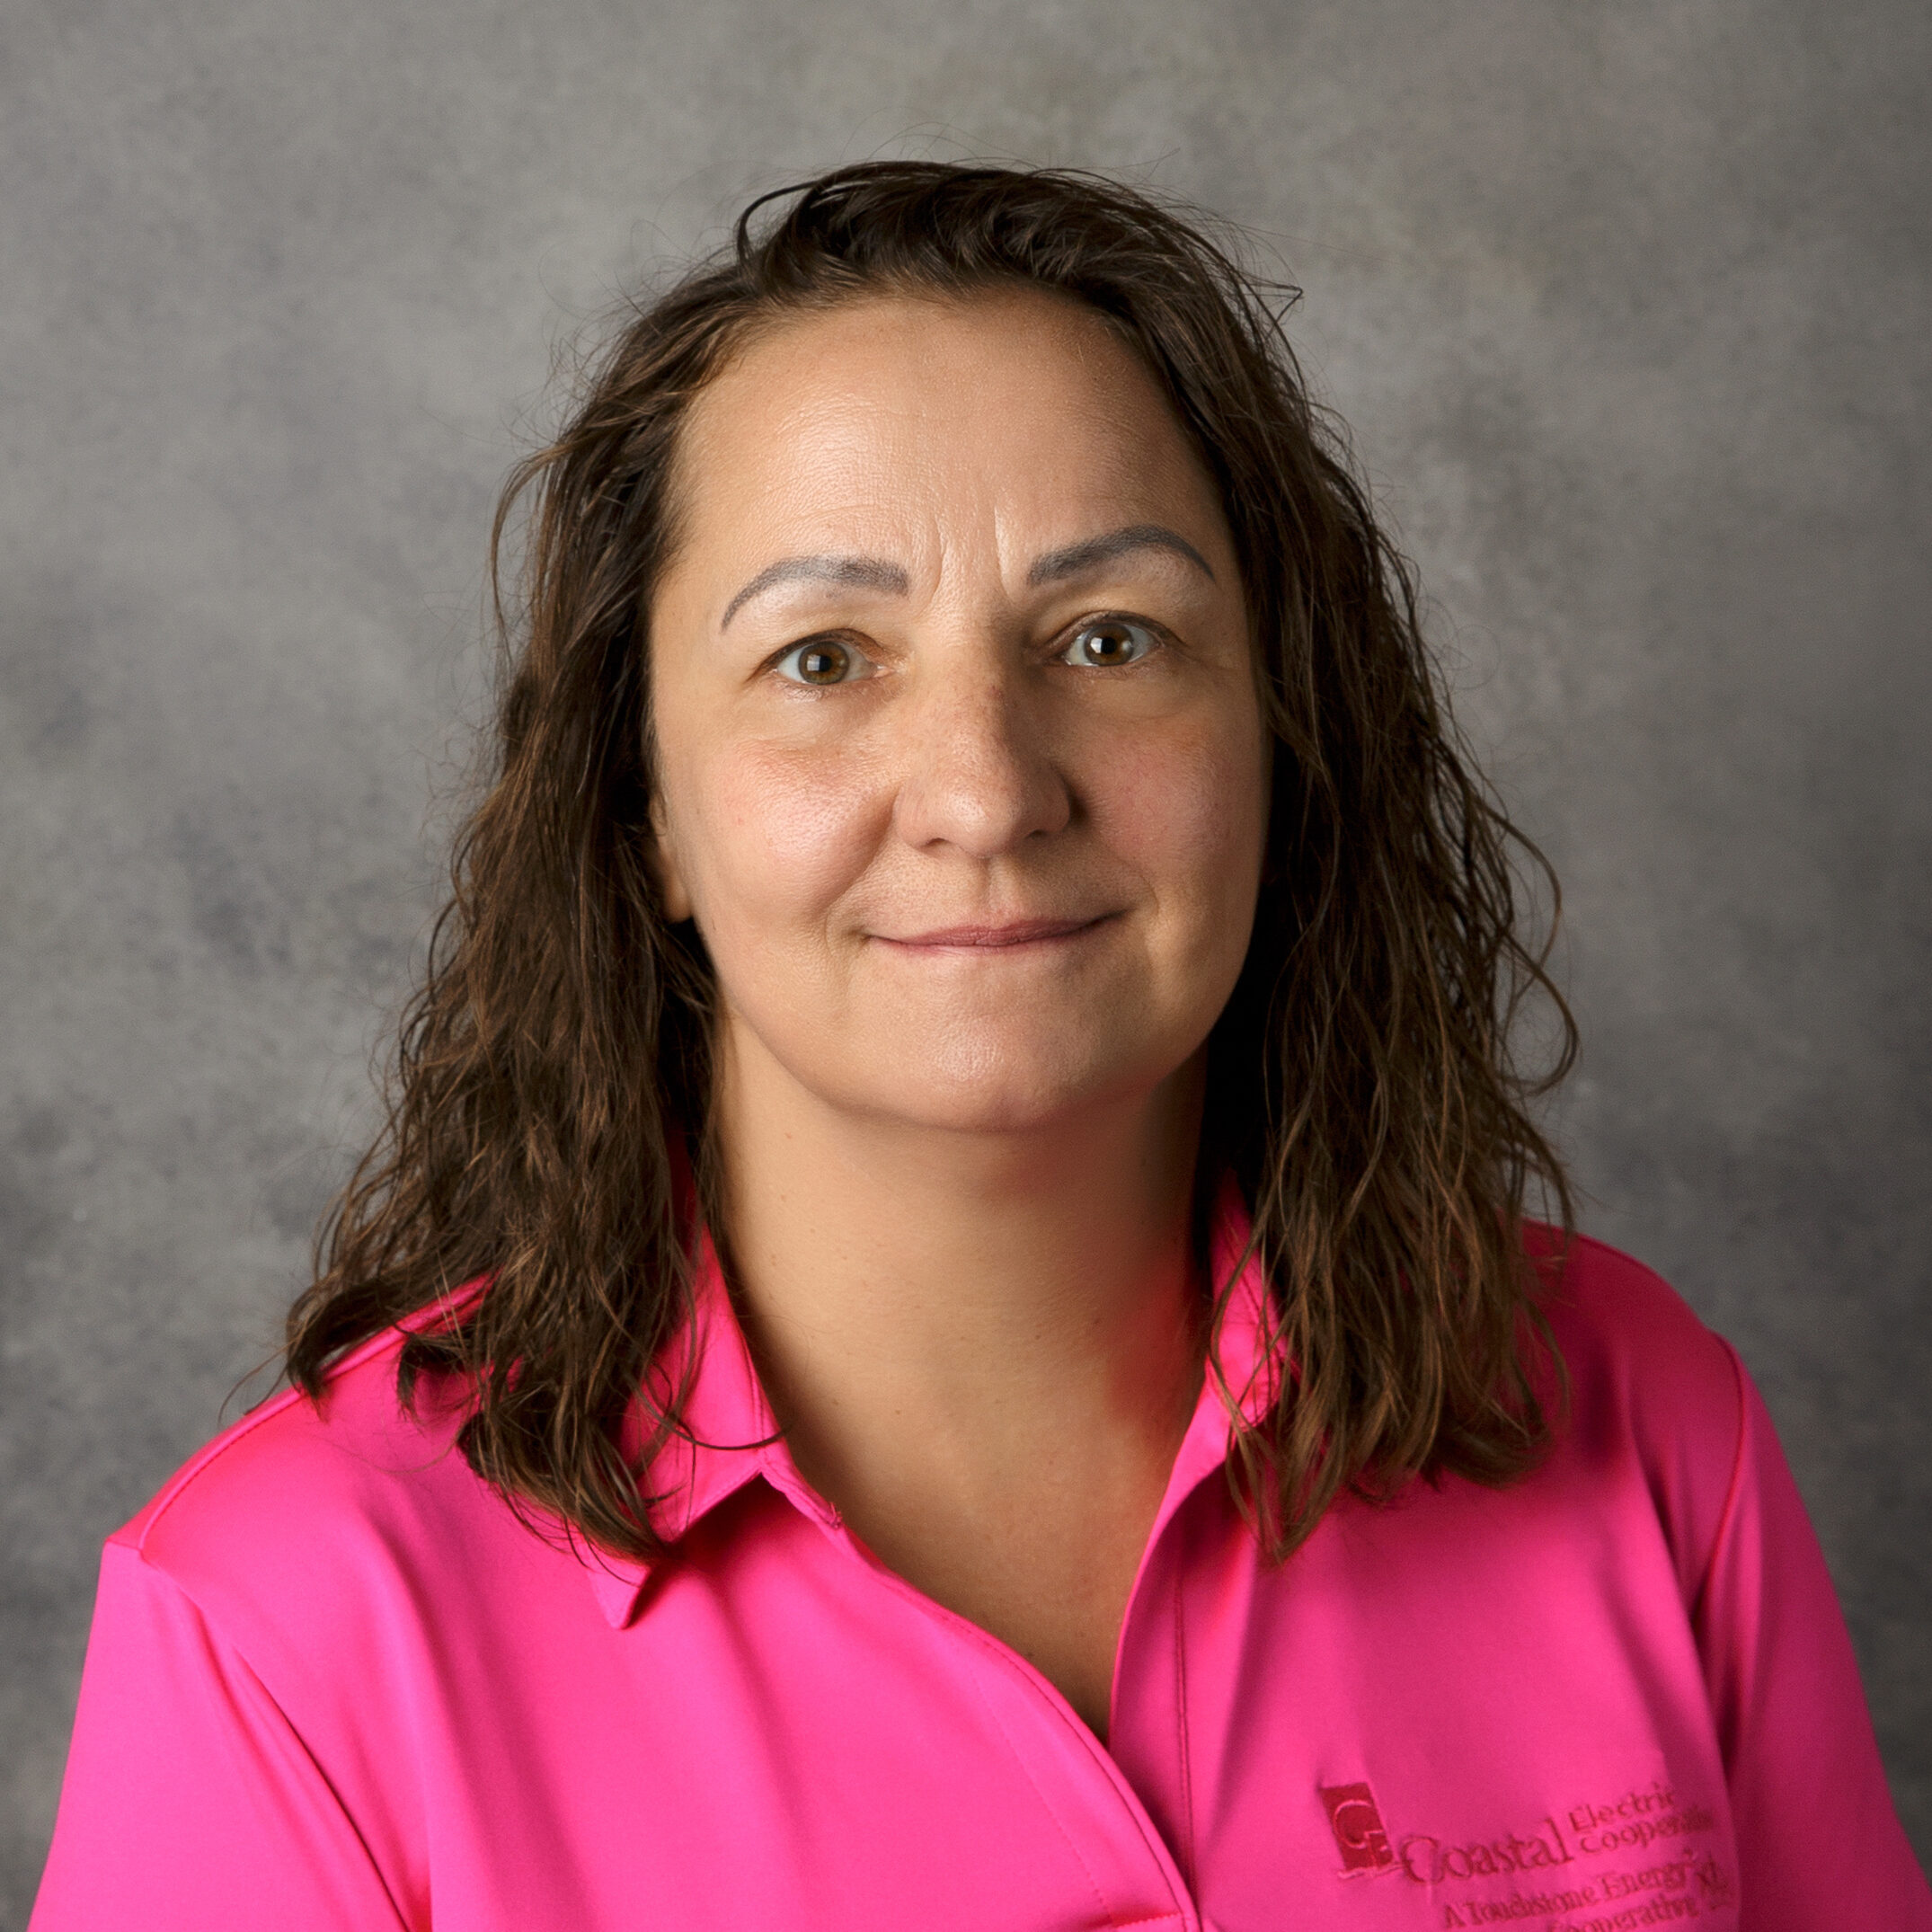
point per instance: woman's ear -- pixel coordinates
(660, 858)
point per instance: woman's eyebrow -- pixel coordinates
(875, 574)
(1074, 558)
(869, 574)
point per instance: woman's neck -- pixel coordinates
(953, 1268)
(983, 1347)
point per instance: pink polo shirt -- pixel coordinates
(334, 1682)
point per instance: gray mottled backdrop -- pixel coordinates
(1626, 303)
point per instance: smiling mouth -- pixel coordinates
(996, 938)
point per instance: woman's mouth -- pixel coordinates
(995, 936)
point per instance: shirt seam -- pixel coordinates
(211, 1453)
(204, 1459)
(1733, 1489)
(1181, 1731)
(242, 1659)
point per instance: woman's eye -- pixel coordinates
(1109, 641)
(824, 661)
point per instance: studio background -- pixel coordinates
(1626, 305)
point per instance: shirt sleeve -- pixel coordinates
(1819, 1842)
(189, 1801)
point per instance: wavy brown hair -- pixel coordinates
(555, 1062)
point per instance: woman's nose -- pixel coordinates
(977, 771)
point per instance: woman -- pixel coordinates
(952, 1239)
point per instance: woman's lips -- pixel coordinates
(991, 937)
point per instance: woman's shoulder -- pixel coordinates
(1628, 1337)
(281, 1503)
(1654, 1397)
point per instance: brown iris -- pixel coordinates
(1110, 641)
(825, 663)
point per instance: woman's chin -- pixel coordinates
(997, 1094)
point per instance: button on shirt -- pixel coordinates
(334, 1681)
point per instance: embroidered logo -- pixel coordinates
(1357, 1824)
(1635, 1859)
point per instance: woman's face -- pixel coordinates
(961, 767)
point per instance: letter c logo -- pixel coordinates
(1428, 1851)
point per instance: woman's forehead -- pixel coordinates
(904, 409)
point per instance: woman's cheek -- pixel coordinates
(788, 830)
(1188, 811)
